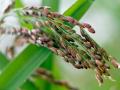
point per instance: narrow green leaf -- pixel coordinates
(3, 61)
(22, 67)
(78, 9)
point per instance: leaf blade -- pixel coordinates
(3, 61)
(17, 71)
(78, 9)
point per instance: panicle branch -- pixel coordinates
(45, 74)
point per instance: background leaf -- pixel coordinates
(22, 67)
(3, 61)
(28, 85)
(18, 4)
(78, 9)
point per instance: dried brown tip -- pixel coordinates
(115, 63)
(8, 8)
(70, 19)
(40, 71)
(99, 63)
(88, 44)
(90, 29)
(43, 72)
(45, 12)
(10, 51)
(20, 41)
(2, 31)
(99, 79)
